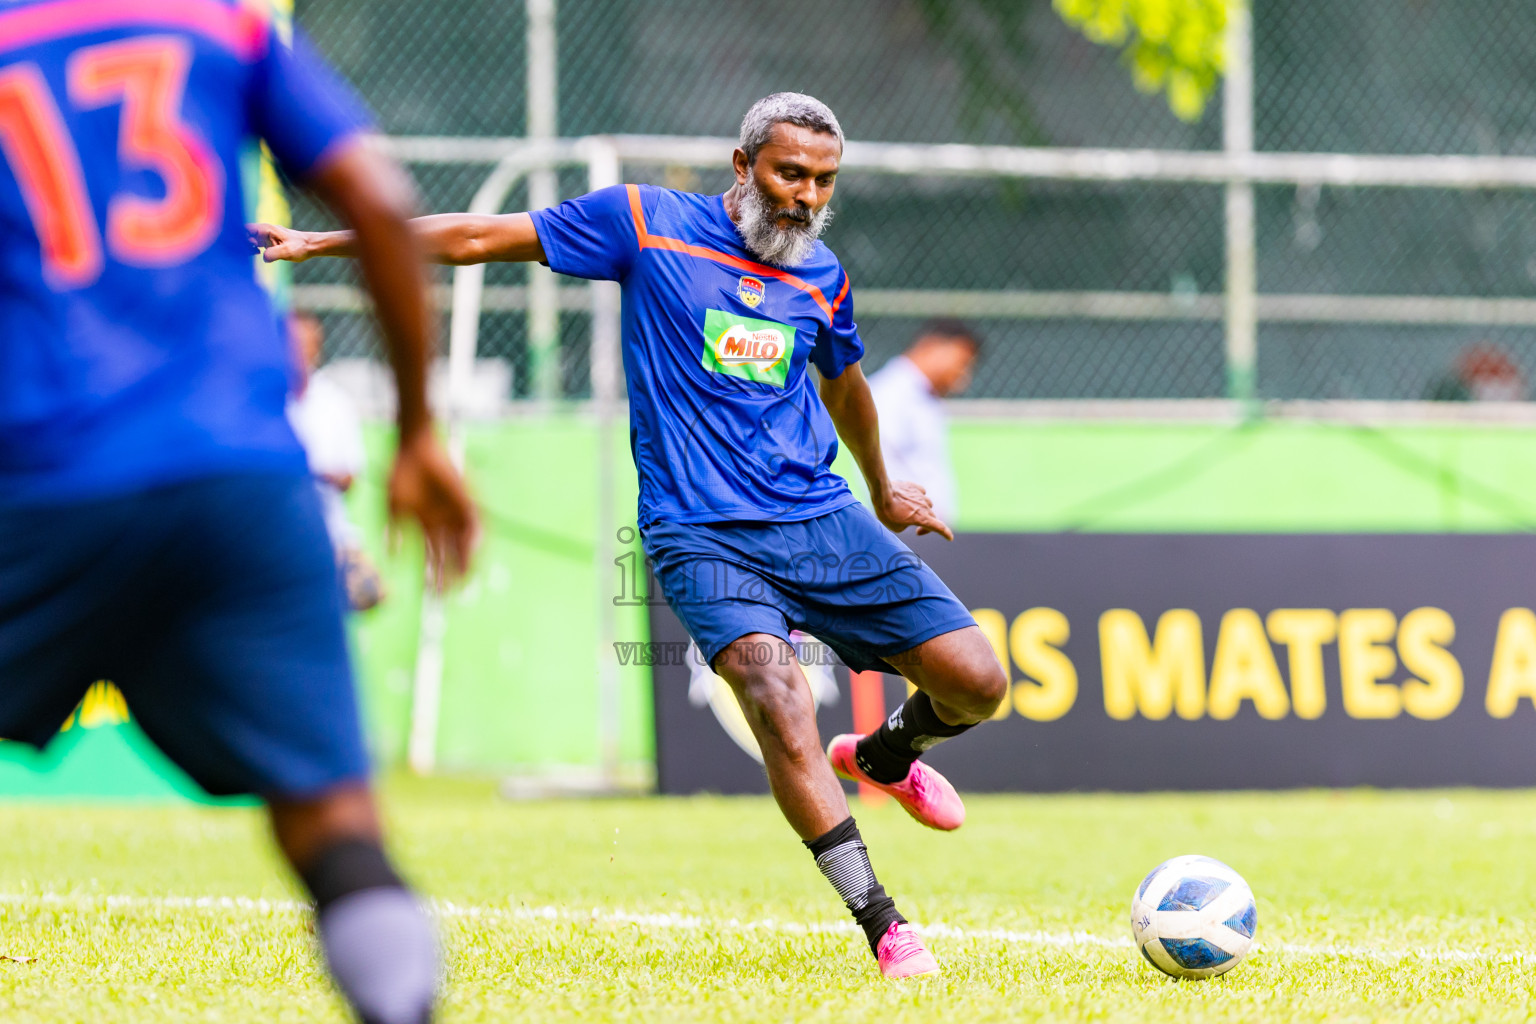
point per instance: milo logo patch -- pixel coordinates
(740, 346)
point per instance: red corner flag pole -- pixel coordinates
(868, 690)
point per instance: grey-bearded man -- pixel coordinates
(729, 300)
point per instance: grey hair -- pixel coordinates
(785, 108)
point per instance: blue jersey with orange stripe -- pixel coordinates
(725, 419)
(136, 346)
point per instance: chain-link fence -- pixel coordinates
(1375, 76)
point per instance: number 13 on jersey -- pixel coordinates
(148, 77)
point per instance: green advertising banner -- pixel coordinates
(520, 690)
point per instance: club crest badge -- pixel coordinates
(750, 291)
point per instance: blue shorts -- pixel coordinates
(215, 607)
(841, 577)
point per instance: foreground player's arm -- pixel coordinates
(367, 191)
(453, 239)
(898, 503)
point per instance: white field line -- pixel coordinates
(688, 922)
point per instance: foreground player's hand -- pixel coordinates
(907, 504)
(426, 487)
(279, 243)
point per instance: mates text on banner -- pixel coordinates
(1171, 662)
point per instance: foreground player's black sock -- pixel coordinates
(886, 755)
(377, 939)
(841, 856)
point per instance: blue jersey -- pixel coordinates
(136, 346)
(725, 420)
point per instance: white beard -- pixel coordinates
(764, 237)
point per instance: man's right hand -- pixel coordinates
(279, 243)
(425, 486)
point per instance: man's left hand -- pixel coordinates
(425, 486)
(907, 504)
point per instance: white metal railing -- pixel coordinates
(941, 160)
(1017, 304)
(1236, 168)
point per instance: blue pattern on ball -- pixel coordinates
(1245, 922)
(1193, 892)
(1195, 954)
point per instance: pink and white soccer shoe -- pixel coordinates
(902, 954)
(925, 794)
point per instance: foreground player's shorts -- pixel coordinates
(214, 606)
(842, 577)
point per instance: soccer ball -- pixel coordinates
(1193, 917)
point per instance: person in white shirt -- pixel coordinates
(325, 419)
(914, 433)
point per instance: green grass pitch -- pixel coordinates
(1372, 906)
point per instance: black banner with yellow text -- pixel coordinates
(1148, 662)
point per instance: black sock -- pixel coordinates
(886, 755)
(377, 939)
(841, 856)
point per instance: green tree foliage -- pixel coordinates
(1171, 46)
(991, 46)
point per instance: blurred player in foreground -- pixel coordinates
(728, 300)
(914, 428)
(158, 525)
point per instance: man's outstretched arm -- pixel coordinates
(454, 239)
(898, 503)
(368, 192)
